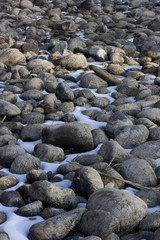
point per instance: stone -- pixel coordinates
(40, 65)
(64, 92)
(56, 227)
(7, 182)
(10, 56)
(111, 151)
(36, 175)
(87, 160)
(30, 209)
(52, 195)
(33, 118)
(8, 109)
(48, 153)
(51, 212)
(112, 210)
(34, 83)
(11, 199)
(31, 132)
(74, 61)
(154, 133)
(132, 136)
(151, 198)
(150, 222)
(7, 140)
(98, 53)
(32, 94)
(69, 135)
(9, 153)
(152, 114)
(86, 181)
(76, 44)
(91, 80)
(138, 171)
(3, 217)
(3, 234)
(109, 78)
(24, 163)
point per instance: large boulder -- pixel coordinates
(112, 210)
(56, 227)
(70, 135)
(52, 194)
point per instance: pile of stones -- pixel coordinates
(113, 44)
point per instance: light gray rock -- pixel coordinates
(75, 135)
(10, 56)
(33, 118)
(74, 61)
(91, 80)
(40, 65)
(151, 198)
(3, 217)
(52, 195)
(132, 136)
(9, 153)
(128, 109)
(7, 182)
(112, 151)
(147, 150)
(76, 44)
(56, 227)
(48, 153)
(30, 209)
(138, 171)
(98, 53)
(34, 83)
(8, 109)
(86, 181)
(3, 235)
(150, 222)
(152, 114)
(24, 163)
(154, 133)
(112, 210)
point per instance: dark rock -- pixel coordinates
(32, 132)
(51, 212)
(33, 118)
(64, 92)
(36, 175)
(11, 199)
(31, 209)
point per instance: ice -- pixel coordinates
(153, 209)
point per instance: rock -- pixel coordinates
(40, 65)
(87, 160)
(8, 109)
(76, 44)
(151, 198)
(150, 222)
(91, 238)
(116, 122)
(30, 209)
(32, 94)
(99, 136)
(100, 102)
(11, 199)
(31, 132)
(3, 235)
(66, 107)
(128, 109)
(33, 118)
(86, 181)
(111, 151)
(10, 56)
(64, 92)
(51, 212)
(138, 171)
(109, 78)
(7, 182)
(34, 83)
(115, 69)
(26, 4)
(91, 80)
(7, 140)
(56, 227)
(98, 53)
(105, 216)
(69, 135)
(36, 175)
(29, 47)
(9, 97)
(9, 153)
(147, 150)
(3, 217)
(66, 168)
(154, 133)
(152, 114)
(52, 194)
(132, 136)
(24, 163)
(74, 61)
(48, 153)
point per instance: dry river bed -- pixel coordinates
(79, 120)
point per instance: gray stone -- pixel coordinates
(111, 151)
(48, 153)
(66, 168)
(112, 210)
(154, 133)
(52, 195)
(151, 198)
(24, 163)
(150, 222)
(91, 80)
(69, 135)
(31, 132)
(12, 199)
(64, 92)
(32, 94)
(36, 175)
(86, 181)
(30, 209)
(74, 61)
(98, 53)
(56, 227)
(99, 136)
(76, 44)
(3, 235)
(51, 212)
(9, 153)
(33, 118)
(8, 109)
(132, 136)
(128, 109)
(147, 150)
(40, 65)
(9, 97)
(100, 102)
(34, 83)
(3, 217)
(152, 114)
(87, 160)
(7, 140)
(138, 171)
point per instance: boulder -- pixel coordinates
(74, 61)
(112, 210)
(8, 109)
(69, 135)
(10, 56)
